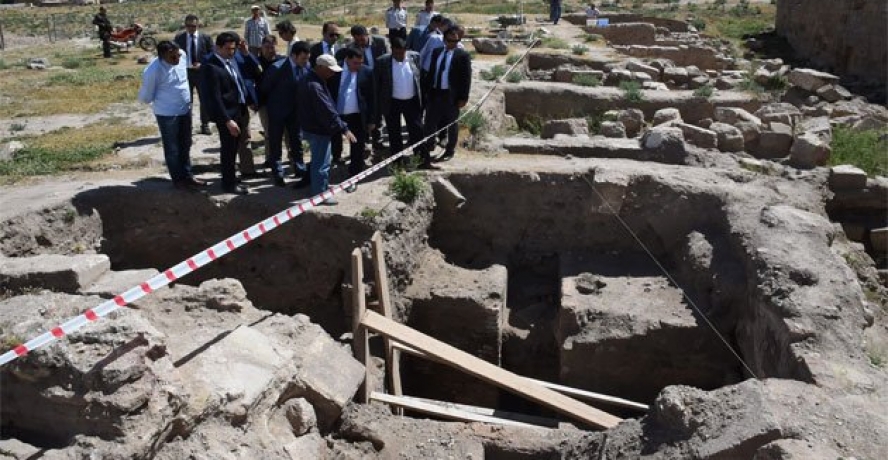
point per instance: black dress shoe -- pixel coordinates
(302, 183)
(427, 165)
(252, 175)
(237, 190)
(443, 158)
(196, 182)
(279, 181)
(205, 130)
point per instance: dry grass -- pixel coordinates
(69, 149)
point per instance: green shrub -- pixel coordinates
(494, 73)
(515, 77)
(473, 121)
(704, 91)
(3, 64)
(864, 149)
(632, 91)
(698, 24)
(512, 59)
(593, 38)
(554, 43)
(585, 79)
(532, 124)
(405, 186)
(579, 50)
(776, 83)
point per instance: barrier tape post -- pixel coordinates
(230, 244)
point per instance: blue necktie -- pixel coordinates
(343, 89)
(237, 81)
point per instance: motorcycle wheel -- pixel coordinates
(148, 43)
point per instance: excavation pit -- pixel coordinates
(591, 274)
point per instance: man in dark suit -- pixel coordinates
(327, 45)
(196, 45)
(227, 99)
(447, 85)
(373, 46)
(280, 86)
(399, 93)
(354, 96)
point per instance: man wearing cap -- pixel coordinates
(227, 100)
(327, 45)
(320, 121)
(287, 31)
(196, 46)
(280, 85)
(255, 29)
(165, 86)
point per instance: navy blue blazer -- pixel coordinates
(280, 87)
(219, 92)
(366, 92)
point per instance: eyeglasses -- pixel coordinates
(334, 35)
(190, 26)
(452, 40)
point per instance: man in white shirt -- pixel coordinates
(165, 86)
(396, 20)
(287, 31)
(425, 14)
(196, 45)
(399, 94)
(354, 95)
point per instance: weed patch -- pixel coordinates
(864, 149)
(406, 187)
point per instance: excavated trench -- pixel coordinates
(536, 273)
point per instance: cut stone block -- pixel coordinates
(113, 283)
(665, 115)
(846, 177)
(810, 79)
(51, 271)
(572, 126)
(700, 137)
(774, 142)
(730, 139)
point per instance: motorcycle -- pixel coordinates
(124, 38)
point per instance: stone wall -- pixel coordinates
(847, 37)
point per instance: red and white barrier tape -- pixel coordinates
(222, 248)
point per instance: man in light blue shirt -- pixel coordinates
(165, 86)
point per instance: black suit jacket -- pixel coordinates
(279, 88)
(204, 44)
(317, 50)
(382, 76)
(366, 96)
(378, 48)
(459, 76)
(218, 91)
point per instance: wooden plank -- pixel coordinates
(536, 420)
(444, 412)
(392, 356)
(360, 344)
(489, 372)
(575, 392)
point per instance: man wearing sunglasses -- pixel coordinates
(447, 85)
(328, 44)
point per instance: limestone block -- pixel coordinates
(654, 86)
(570, 126)
(301, 415)
(846, 177)
(730, 139)
(490, 46)
(810, 79)
(679, 75)
(751, 132)
(112, 283)
(640, 77)
(762, 75)
(665, 139)
(633, 121)
(305, 447)
(733, 115)
(666, 115)
(225, 295)
(817, 126)
(780, 112)
(636, 66)
(775, 141)
(833, 93)
(617, 76)
(726, 83)
(613, 129)
(52, 271)
(698, 82)
(808, 151)
(772, 64)
(700, 137)
(879, 240)
(694, 71)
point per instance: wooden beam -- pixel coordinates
(449, 413)
(536, 420)
(489, 372)
(360, 344)
(392, 356)
(575, 392)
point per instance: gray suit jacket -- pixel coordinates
(382, 73)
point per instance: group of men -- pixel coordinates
(326, 94)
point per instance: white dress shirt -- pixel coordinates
(402, 80)
(351, 93)
(444, 60)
